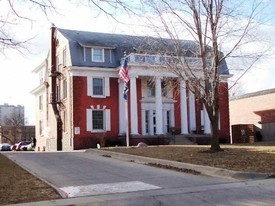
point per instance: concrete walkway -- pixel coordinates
(156, 195)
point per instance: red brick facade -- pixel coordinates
(82, 102)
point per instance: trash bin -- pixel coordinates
(243, 133)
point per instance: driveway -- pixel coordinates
(101, 179)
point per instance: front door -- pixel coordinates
(154, 122)
(149, 120)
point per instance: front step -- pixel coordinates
(181, 140)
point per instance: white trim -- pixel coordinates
(105, 84)
(89, 118)
(192, 112)
(93, 46)
(159, 107)
(206, 121)
(183, 108)
(107, 119)
(84, 54)
(122, 104)
(91, 71)
(133, 106)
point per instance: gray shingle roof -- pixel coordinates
(120, 43)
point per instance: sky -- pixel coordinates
(17, 79)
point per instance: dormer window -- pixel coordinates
(97, 54)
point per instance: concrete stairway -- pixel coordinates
(181, 140)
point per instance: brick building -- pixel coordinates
(79, 96)
(12, 135)
(257, 108)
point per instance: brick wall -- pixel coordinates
(82, 102)
(246, 110)
(255, 108)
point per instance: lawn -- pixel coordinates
(259, 157)
(18, 186)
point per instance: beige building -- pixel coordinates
(256, 108)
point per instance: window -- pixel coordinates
(41, 76)
(97, 55)
(57, 63)
(147, 121)
(57, 93)
(64, 57)
(98, 86)
(98, 119)
(64, 121)
(40, 102)
(40, 127)
(64, 89)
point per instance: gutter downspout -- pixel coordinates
(53, 97)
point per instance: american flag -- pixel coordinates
(123, 72)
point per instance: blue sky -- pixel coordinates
(17, 79)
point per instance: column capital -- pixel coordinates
(133, 76)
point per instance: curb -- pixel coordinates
(203, 170)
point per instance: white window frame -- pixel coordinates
(41, 76)
(64, 89)
(40, 102)
(64, 57)
(41, 127)
(106, 120)
(102, 54)
(93, 88)
(65, 129)
(84, 54)
(106, 86)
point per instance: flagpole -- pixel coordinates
(123, 74)
(127, 125)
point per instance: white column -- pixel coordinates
(159, 119)
(206, 120)
(192, 112)
(133, 106)
(122, 119)
(183, 108)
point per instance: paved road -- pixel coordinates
(88, 179)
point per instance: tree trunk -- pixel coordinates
(215, 143)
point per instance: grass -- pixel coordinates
(259, 157)
(19, 186)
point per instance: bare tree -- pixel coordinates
(211, 26)
(11, 17)
(221, 29)
(14, 122)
